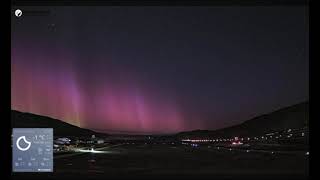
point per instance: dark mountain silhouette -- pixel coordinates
(296, 116)
(60, 128)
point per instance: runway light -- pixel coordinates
(237, 143)
(307, 153)
(92, 160)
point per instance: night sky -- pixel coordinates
(159, 69)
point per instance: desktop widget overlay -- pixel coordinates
(32, 150)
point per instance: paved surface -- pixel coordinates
(144, 160)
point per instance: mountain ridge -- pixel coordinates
(61, 128)
(294, 116)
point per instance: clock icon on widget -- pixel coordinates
(24, 146)
(18, 13)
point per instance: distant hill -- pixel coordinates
(60, 128)
(296, 116)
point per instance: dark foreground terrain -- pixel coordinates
(162, 160)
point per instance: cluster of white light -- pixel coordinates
(237, 143)
(199, 140)
(89, 151)
(269, 135)
(209, 140)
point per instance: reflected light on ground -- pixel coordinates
(92, 151)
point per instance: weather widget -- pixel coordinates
(32, 150)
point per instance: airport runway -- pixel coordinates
(146, 159)
(79, 153)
